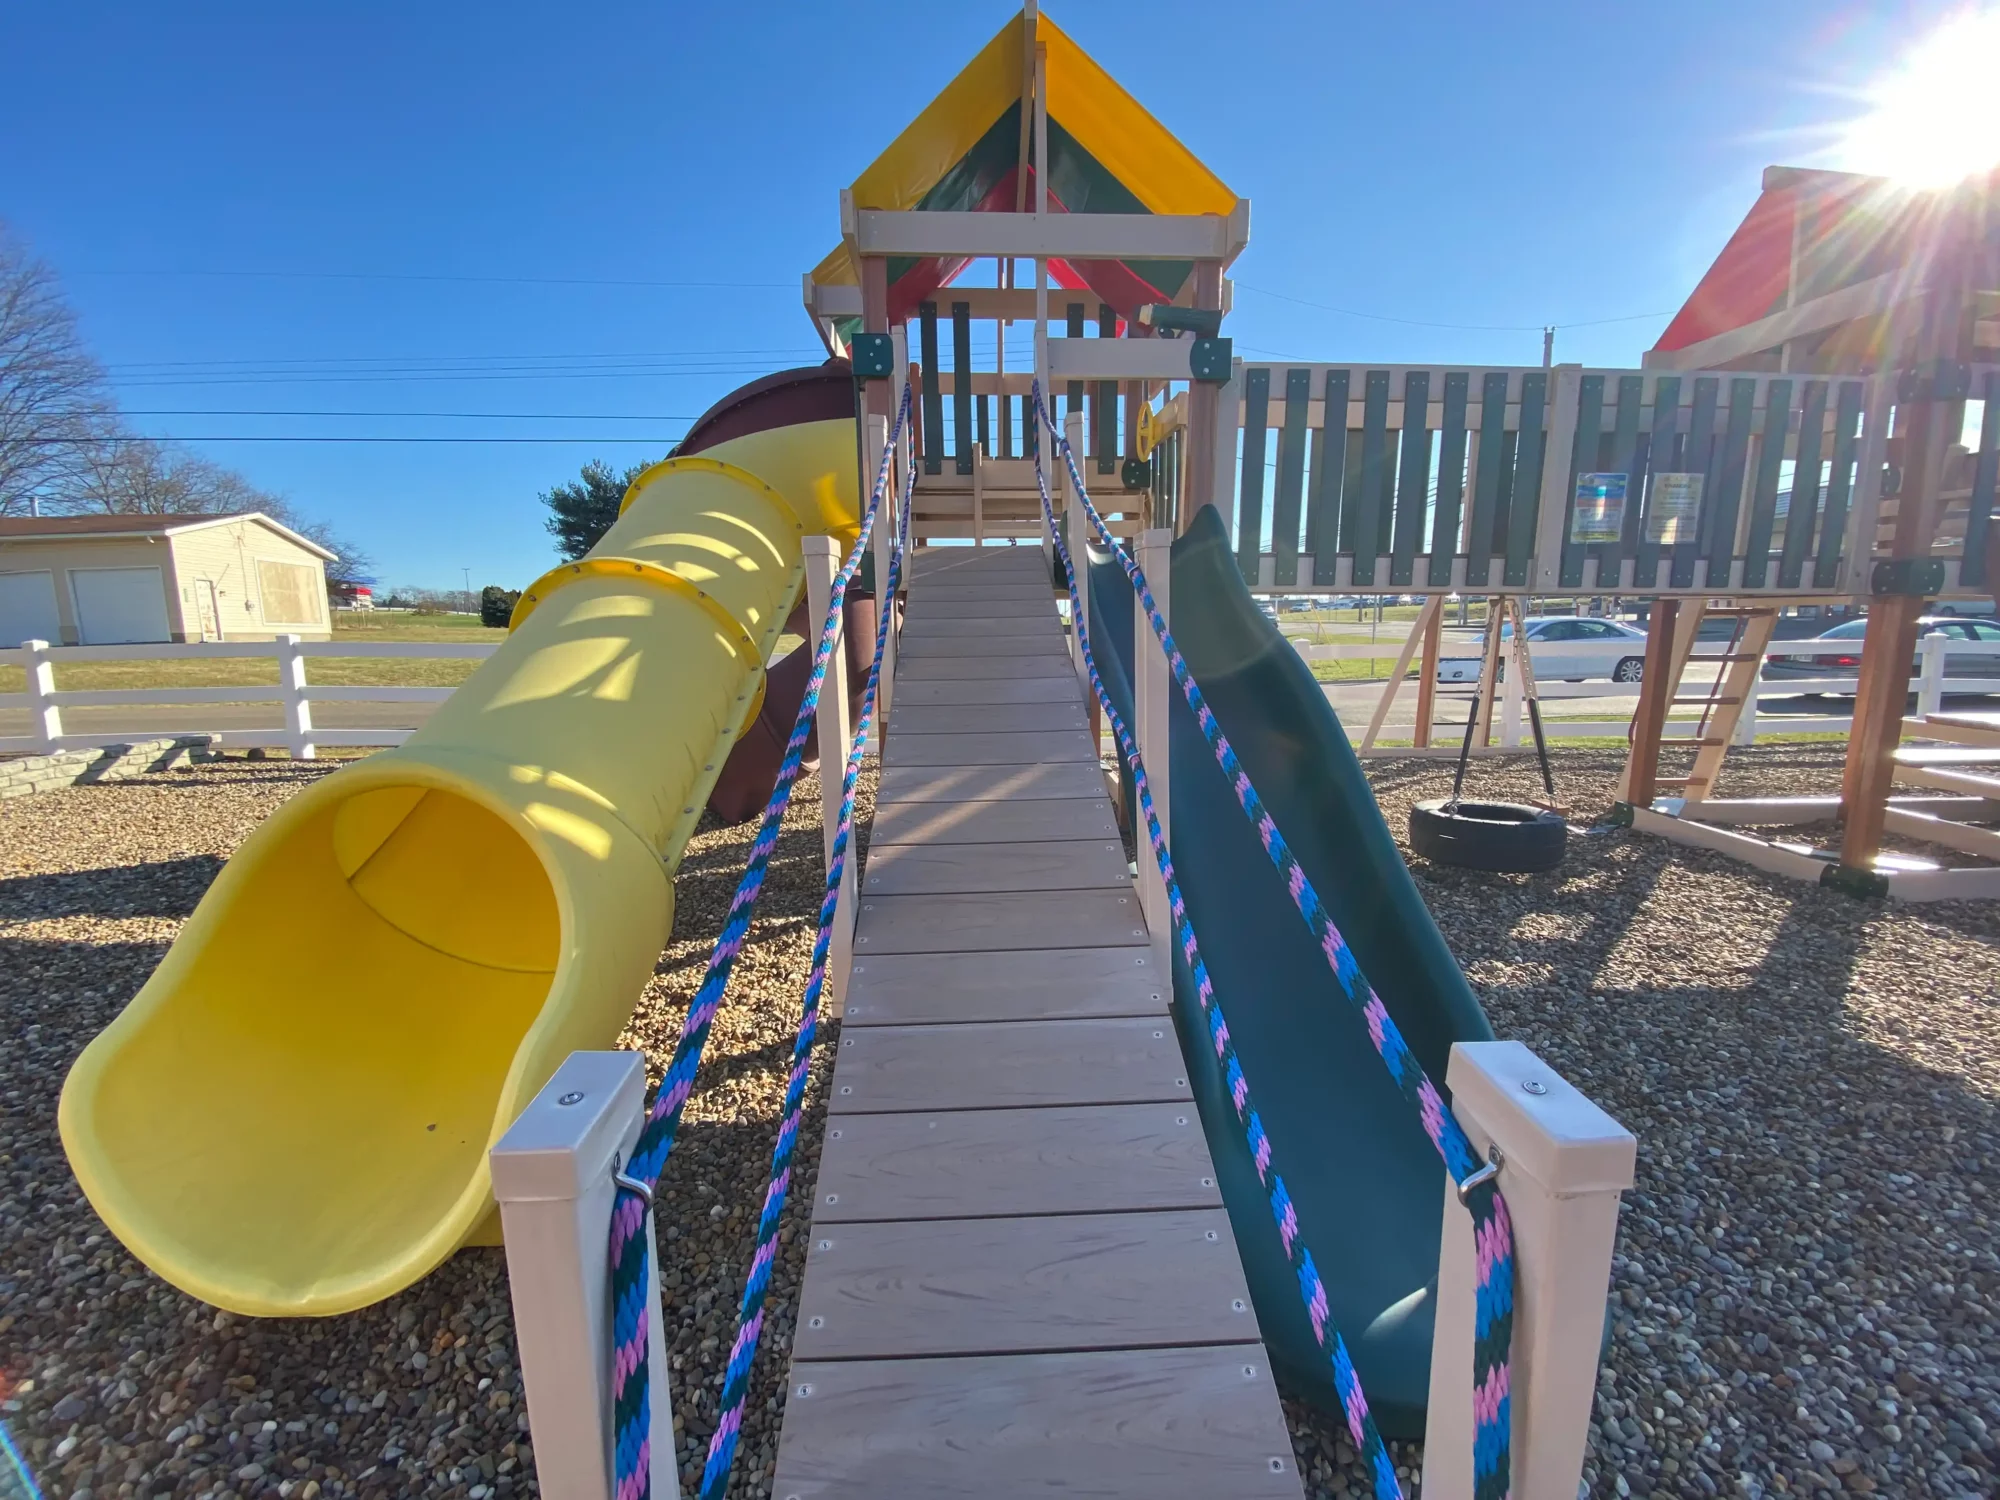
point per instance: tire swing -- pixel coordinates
(1511, 838)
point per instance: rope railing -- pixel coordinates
(1476, 1182)
(629, 1250)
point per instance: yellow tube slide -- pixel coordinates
(292, 1117)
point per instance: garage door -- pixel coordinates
(28, 609)
(117, 605)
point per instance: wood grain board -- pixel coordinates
(1021, 985)
(999, 919)
(992, 748)
(960, 869)
(1020, 1277)
(1116, 1158)
(1009, 1065)
(991, 783)
(1166, 1424)
(1021, 1285)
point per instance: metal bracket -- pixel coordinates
(873, 356)
(1137, 474)
(1854, 882)
(1212, 360)
(1907, 577)
(1620, 815)
(1941, 380)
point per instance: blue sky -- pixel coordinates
(598, 213)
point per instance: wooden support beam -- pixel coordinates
(1489, 670)
(1656, 687)
(1204, 411)
(1431, 622)
(1393, 687)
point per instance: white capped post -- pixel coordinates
(298, 711)
(1511, 701)
(1930, 678)
(877, 441)
(836, 732)
(552, 1179)
(1150, 688)
(1078, 527)
(44, 717)
(1564, 1163)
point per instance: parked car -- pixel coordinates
(1839, 653)
(1570, 647)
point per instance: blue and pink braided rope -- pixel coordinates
(630, 1378)
(750, 1315)
(1492, 1233)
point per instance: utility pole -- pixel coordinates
(1548, 346)
(468, 589)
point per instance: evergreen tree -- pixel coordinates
(581, 512)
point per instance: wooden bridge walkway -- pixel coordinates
(1021, 1278)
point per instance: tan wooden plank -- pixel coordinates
(1031, 822)
(988, 690)
(1008, 1065)
(971, 561)
(991, 748)
(998, 919)
(920, 616)
(1040, 1285)
(1056, 779)
(982, 668)
(975, 718)
(920, 989)
(999, 591)
(919, 643)
(1037, 625)
(1166, 1424)
(959, 869)
(983, 1163)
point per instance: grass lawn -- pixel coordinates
(357, 626)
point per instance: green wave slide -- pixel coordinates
(1366, 1181)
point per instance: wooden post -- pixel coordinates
(836, 731)
(44, 715)
(1512, 689)
(552, 1179)
(978, 498)
(1563, 1165)
(1431, 623)
(875, 440)
(1489, 668)
(1078, 529)
(1394, 686)
(1656, 689)
(1207, 407)
(1930, 678)
(298, 711)
(1152, 686)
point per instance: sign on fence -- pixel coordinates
(1599, 513)
(1676, 504)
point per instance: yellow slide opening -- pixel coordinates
(292, 1116)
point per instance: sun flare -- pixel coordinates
(1934, 117)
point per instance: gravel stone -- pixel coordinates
(1803, 1294)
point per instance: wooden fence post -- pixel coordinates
(1564, 1163)
(1151, 685)
(836, 733)
(1930, 681)
(1078, 528)
(886, 522)
(298, 709)
(552, 1179)
(44, 716)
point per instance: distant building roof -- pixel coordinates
(59, 528)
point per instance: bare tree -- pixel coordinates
(51, 390)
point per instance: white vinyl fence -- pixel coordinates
(1929, 682)
(294, 691)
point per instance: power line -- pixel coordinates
(477, 416)
(347, 438)
(251, 274)
(1350, 312)
(272, 361)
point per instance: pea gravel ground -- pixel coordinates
(1804, 1293)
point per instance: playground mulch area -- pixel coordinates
(115, 1384)
(1805, 1286)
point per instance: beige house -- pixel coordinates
(108, 580)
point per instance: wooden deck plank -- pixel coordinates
(1036, 625)
(1008, 1065)
(1035, 822)
(983, 668)
(960, 869)
(979, 718)
(920, 989)
(997, 783)
(920, 611)
(998, 919)
(1117, 1158)
(1039, 595)
(992, 748)
(972, 561)
(988, 691)
(983, 646)
(1031, 1285)
(1167, 1424)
